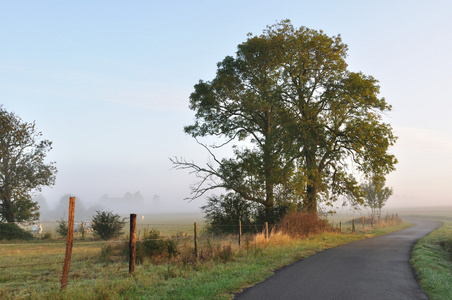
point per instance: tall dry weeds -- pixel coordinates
(303, 224)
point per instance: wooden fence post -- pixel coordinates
(340, 226)
(132, 243)
(266, 231)
(353, 226)
(240, 232)
(364, 222)
(196, 239)
(69, 242)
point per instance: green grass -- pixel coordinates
(33, 270)
(432, 260)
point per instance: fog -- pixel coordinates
(123, 205)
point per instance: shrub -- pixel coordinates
(62, 227)
(47, 236)
(154, 245)
(107, 225)
(12, 231)
(224, 212)
(302, 224)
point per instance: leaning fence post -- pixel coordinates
(69, 242)
(240, 232)
(196, 239)
(353, 226)
(266, 231)
(132, 243)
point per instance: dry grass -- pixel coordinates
(302, 224)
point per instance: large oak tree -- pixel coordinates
(22, 168)
(302, 125)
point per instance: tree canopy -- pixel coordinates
(301, 125)
(22, 168)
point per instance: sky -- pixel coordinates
(108, 82)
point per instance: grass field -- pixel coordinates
(432, 260)
(33, 270)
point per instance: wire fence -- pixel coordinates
(46, 251)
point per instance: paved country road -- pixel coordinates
(375, 268)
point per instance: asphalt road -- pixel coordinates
(375, 268)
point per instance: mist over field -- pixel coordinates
(123, 205)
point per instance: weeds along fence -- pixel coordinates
(189, 242)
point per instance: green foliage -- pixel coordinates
(11, 231)
(107, 225)
(297, 120)
(62, 227)
(223, 213)
(154, 245)
(22, 168)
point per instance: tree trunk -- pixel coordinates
(268, 172)
(310, 203)
(7, 212)
(269, 203)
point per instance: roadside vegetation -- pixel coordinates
(167, 268)
(432, 260)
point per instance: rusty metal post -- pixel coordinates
(69, 242)
(240, 232)
(132, 243)
(266, 231)
(196, 239)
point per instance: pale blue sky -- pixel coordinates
(108, 82)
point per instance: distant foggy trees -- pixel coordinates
(376, 194)
(85, 209)
(23, 169)
(301, 125)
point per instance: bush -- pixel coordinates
(107, 225)
(302, 224)
(12, 231)
(223, 213)
(62, 227)
(154, 245)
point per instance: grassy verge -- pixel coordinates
(228, 272)
(432, 260)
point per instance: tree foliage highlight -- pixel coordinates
(22, 168)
